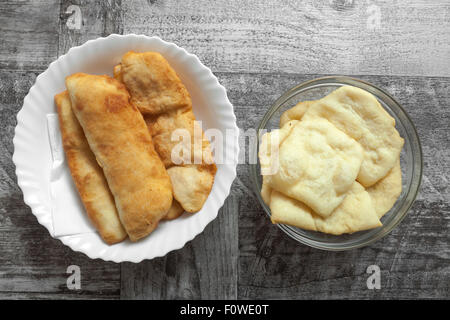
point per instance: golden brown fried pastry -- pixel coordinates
(175, 211)
(119, 138)
(87, 175)
(178, 138)
(154, 86)
(191, 185)
(162, 98)
(188, 159)
(117, 73)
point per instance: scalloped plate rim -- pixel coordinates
(44, 218)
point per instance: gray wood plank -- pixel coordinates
(98, 19)
(414, 258)
(29, 38)
(205, 268)
(48, 296)
(326, 37)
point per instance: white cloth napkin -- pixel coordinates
(68, 212)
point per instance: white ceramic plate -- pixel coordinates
(32, 155)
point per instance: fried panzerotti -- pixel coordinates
(191, 185)
(160, 95)
(179, 139)
(175, 211)
(122, 145)
(87, 174)
(153, 85)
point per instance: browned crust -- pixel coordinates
(175, 211)
(119, 138)
(87, 175)
(162, 121)
(154, 86)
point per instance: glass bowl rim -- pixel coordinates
(416, 176)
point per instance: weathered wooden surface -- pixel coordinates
(257, 49)
(28, 38)
(206, 268)
(414, 259)
(306, 37)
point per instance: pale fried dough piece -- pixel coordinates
(191, 185)
(167, 110)
(153, 85)
(175, 211)
(87, 175)
(268, 152)
(266, 191)
(268, 140)
(359, 114)
(317, 165)
(355, 213)
(119, 138)
(290, 115)
(295, 113)
(270, 143)
(385, 192)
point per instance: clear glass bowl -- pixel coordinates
(410, 158)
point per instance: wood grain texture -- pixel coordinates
(29, 40)
(99, 19)
(205, 268)
(327, 37)
(258, 50)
